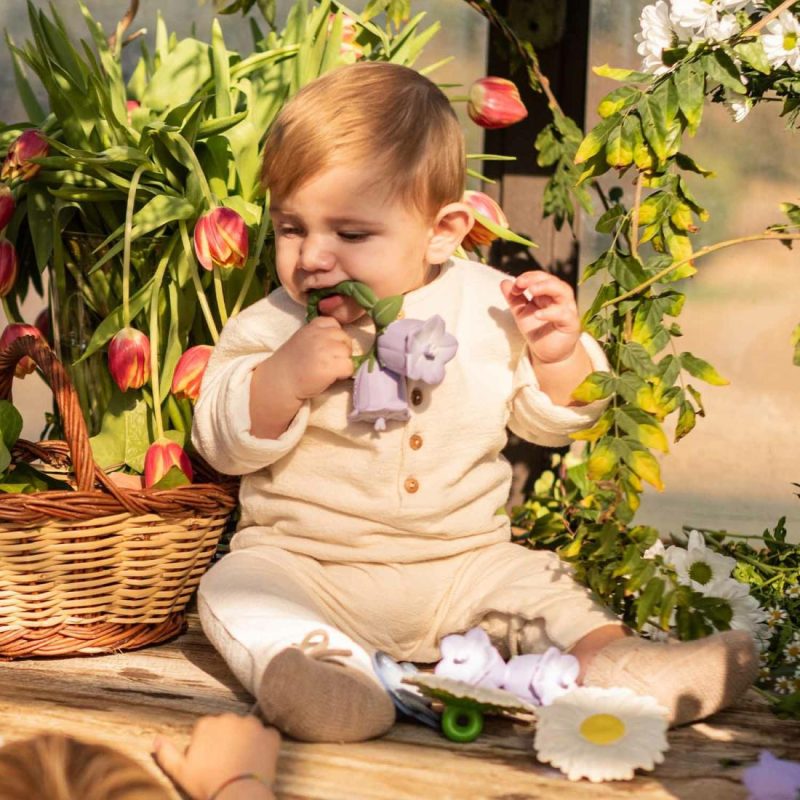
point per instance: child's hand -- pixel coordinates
(316, 356)
(221, 748)
(549, 321)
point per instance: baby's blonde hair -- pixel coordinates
(57, 767)
(384, 116)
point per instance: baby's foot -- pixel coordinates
(690, 679)
(311, 695)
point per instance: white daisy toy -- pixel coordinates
(601, 734)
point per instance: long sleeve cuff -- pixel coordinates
(536, 418)
(222, 432)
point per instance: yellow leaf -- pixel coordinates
(646, 467)
(601, 462)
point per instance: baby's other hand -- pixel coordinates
(316, 356)
(546, 314)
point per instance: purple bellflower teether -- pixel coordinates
(403, 350)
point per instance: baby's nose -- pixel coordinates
(316, 257)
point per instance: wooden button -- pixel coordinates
(416, 396)
(415, 441)
(411, 485)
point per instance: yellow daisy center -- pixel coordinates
(602, 729)
(700, 572)
(789, 41)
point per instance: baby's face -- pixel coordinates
(342, 225)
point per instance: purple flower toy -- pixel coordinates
(772, 778)
(408, 349)
(471, 658)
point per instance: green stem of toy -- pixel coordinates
(360, 292)
(198, 284)
(220, 295)
(126, 248)
(252, 262)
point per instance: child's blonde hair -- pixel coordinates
(57, 767)
(382, 115)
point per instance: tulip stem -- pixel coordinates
(175, 414)
(11, 316)
(220, 295)
(126, 251)
(198, 284)
(252, 262)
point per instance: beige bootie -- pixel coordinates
(310, 695)
(690, 679)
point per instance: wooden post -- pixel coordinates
(559, 31)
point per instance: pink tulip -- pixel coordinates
(495, 103)
(161, 456)
(189, 371)
(7, 206)
(131, 106)
(484, 205)
(129, 359)
(349, 33)
(220, 239)
(18, 164)
(13, 332)
(8, 267)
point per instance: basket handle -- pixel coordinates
(75, 432)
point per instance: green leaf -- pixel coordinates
(619, 145)
(600, 428)
(503, 233)
(594, 387)
(618, 100)
(689, 164)
(646, 467)
(619, 74)
(702, 370)
(648, 600)
(595, 140)
(40, 220)
(10, 426)
(222, 72)
(180, 76)
(661, 127)
(686, 421)
(754, 54)
(690, 83)
(124, 436)
(642, 427)
(36, 114)
(603, 459)
(720, 68)
(174, 477)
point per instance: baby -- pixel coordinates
(353, 540)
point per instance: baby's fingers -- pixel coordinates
(171, 760)
(562, 317)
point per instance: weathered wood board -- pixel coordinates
(124, 700)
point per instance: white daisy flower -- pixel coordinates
(783, 685)
(747, 613)
(739, 109)
(764, 673)
(782, 41)
(656, 35)
(722, 29)
(697, 565)
(792, 652)
(775, 616)
(601, 734)
(655, 549)
(793, 592)
(702, 15)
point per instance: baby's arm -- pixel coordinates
(546, 314)
(315, 357)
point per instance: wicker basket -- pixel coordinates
(100, 569)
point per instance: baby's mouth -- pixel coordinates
(328, 305)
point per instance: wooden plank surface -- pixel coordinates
(124, 700)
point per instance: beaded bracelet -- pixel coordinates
(253, 776)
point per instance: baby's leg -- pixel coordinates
(311, 680)
(528, 601)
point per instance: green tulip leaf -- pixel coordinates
(10, 425)
(385, 311)
(24, 478)
(181, 74)
(175, 477)
(124, 432)
(5, 457)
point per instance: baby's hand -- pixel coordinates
(316, 356)
(549, 321)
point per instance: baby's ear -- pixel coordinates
(452, 224)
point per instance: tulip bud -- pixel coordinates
(18, 165)
(484, 205)
(42, 324)
(131, 106)
(8, 267)
(495, 103)
(13, 332)
(378, 395)
(161, 457)
(220, 239)
(349, 33)
(7, 206)
(189, 371)
(129, 359)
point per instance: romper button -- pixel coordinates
(416, 396)
(411, 485)
(415, 441)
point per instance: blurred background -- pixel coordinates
(735, 470)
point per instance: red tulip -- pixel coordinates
(495, 103)
(189, 372)
(131, 106)
(484, 205)
(8, 267)
(129, 359)
(42, 324)
(12, 332)
(18, 164)
(220, 239)
(7, 206)
(349, 33)
(159, 459)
